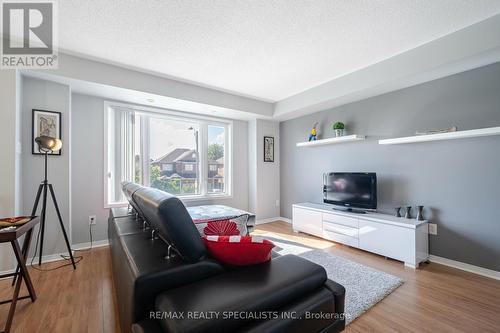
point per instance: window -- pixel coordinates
(216, 160)
(185, 156)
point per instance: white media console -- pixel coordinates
(394, 237)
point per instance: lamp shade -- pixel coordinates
(48, 144)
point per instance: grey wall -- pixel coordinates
(88, 168)
(264, 190)
(45, 95)
(87, 174)
(458, 181)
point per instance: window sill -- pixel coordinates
(192, 198)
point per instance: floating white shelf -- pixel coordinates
(329, 141)
(443, 136)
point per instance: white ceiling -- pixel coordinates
(266, 49)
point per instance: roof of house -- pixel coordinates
(176, 155)
(183, 154)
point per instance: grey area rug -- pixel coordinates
(365, 286)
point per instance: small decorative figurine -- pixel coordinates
(408, 212)
(314, 132)
(398, 211)
(420, 216)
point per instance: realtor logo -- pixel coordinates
(28, 35)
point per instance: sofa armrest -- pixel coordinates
(338, 292)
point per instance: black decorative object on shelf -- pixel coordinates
(398, 211)
(420, 216)
(408, 212)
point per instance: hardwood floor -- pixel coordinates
(434, 298)
(68, 301)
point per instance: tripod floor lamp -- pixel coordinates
(46, 145)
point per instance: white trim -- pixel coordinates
(57, 257)
(169, 113)
(285, 219)
(442, 136)
(86, 245)
(273, 219)
(70, 166)
(45, 259)
(328, 141)
(465, 267)
(191, 198)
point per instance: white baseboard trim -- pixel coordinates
(56, 257)
(287, 220)
(465, 267)
(45, 259)
(272, 219)
(86, 245)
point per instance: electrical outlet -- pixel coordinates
(277, 203)
(92, 220)
(433, 229)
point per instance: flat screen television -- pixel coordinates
(351, 190)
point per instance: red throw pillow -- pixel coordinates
(239, 250)
(221, 228)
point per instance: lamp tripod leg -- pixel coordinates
(42, 221)
(62, 225)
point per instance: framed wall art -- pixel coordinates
(46, 123)
(268, 149)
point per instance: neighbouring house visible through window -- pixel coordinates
(185, 156)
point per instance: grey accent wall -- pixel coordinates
(50, 96)
(458, 180)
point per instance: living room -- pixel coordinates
(267, 166)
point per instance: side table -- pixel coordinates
(21, 273)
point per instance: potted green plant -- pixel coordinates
(338, 128)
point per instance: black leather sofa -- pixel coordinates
(166, 282)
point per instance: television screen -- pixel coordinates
(351, 189)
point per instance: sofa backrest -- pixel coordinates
(169, 217)
(129, 189)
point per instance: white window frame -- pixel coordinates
(203, 121)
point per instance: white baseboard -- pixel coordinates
(287, 220)
(272, 219)
(56, 257)
(86, 245)
(45, 259)
(465, 267)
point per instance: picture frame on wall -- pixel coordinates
(46, 123)
(268, 149)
